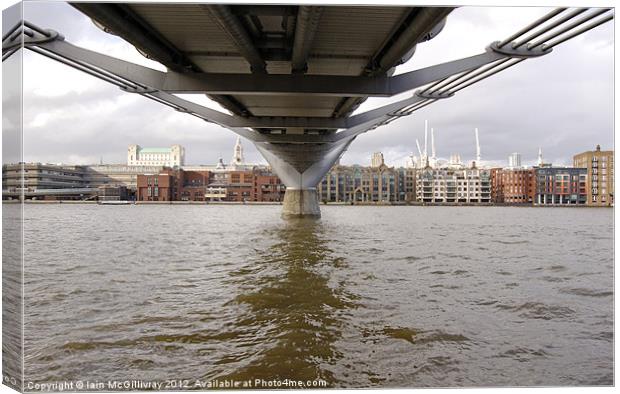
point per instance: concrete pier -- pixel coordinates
(301, 167)
(298, 203)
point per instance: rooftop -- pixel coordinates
(154, 150)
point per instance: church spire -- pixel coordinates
(237, 158)
(540, 157)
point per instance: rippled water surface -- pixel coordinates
(364, 297)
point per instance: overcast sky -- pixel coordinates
(562, 102)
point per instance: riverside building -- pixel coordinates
(513, 185)
(258, 184)
(237, 181)
(45, 181)
(407, 187)
(166, 157)
(156, 187)
(63, 182)
(561, 186)
(117, 174)
(599, 166)
(448, 185)
(377, 183)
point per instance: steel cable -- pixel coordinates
(75, 65)
(90, 69)
(470, 75)
(10, 31)
(578, 32)
(567, 28)
(488, 75)
(555, 24)
(531, 26)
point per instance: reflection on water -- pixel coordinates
(363, 297)
(295, 308)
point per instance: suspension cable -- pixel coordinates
(567, 28)
(553, 25)
(531, 26)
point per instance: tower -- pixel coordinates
(132, 154)
(477, 147)
(421, 155)
(514, 160)
(540, 157)
(377, 159)
(433, 156)
(237, 158)
(177, 156)
(426, 138)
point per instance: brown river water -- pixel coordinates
(385, 297)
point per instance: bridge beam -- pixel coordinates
(305, 27)
(274, 84)
(232, 26)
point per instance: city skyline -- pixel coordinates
(389, 161)
(512, 112)
(153, 178)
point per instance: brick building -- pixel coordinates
(497, 191)
(600, 170)
(239, 185)
(258, 184)
(267, 186)
(560, 186)
(513, 185)
(156, 187)
(192, 185)
(407, 184)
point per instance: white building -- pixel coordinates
(514, 160)
(168, 157)
(447, 185)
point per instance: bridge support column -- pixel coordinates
(301, 167)
(301, 202)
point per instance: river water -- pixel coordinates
(364, 297)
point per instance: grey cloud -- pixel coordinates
(143, 122)
(563, 104)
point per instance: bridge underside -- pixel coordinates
(289, 76)
(295, 42)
